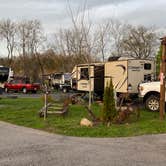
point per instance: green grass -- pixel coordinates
(24, 112)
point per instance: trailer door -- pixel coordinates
(99, 80)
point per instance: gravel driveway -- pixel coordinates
(20, 146)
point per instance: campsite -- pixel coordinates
(55, 110)
(82, 83)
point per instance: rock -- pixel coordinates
(86, 122)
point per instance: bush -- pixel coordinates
(109, 111)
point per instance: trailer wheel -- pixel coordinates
(24, 90)
(152, 103)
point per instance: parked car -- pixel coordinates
(150, 94)
(21, 85)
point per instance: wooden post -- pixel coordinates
(45, 102)
(162, 79)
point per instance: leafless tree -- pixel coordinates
(103, 40)
(82, 41)
(8, 33)
(110, 35)
(76, 42)
(140, 42)
(30, 38)
(118, 30)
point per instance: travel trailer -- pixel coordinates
(126, 74)
(61, 81)
(86, 77)
(6, 74)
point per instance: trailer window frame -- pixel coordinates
(84, 73)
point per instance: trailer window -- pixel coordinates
(84, 73)
(147, 66)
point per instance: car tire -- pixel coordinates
(34, 91)
(153, 103)
(24, 90)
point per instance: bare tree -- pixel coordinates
(140, 42)
(8, 33)
(110, 35)
(117, 32)
(82, 42)
(30, 38)
(103, 40)
(76, 42)
(36, 39)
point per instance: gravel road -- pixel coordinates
(20, 146)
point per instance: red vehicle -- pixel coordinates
(21, 85)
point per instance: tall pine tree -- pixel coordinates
(109, 110)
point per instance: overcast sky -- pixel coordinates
(54, 13)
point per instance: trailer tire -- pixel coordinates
(152, 103)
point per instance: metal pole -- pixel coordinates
(45, 103)
(162, 79)
(90, 93)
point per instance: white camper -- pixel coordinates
(6, 74)
(89, 77)
(61, 81)
(125, 74)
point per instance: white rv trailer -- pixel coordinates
(6, 74)
(124, 74)
(129, 73)
(83, 72)
(61, 81)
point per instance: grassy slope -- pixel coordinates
(25, 112)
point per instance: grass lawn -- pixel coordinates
(25, 112)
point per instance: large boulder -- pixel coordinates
(86, 122)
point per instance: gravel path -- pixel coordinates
(20, 146)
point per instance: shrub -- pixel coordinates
(109, 111)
